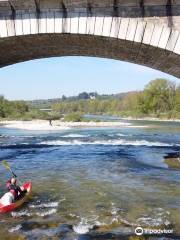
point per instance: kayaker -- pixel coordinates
(13, 188)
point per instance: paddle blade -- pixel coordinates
(6, 164)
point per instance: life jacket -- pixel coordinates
(8, 183)
(14, 193)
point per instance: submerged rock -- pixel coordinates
(136, 238)
(64, 228)
(173, 160)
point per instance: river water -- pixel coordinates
(93, 183)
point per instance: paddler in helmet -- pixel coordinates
(13, 188)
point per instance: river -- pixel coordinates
(93, 183)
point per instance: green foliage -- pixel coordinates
(177, 100)
(73, 117)
(19, 110)
(2, 113)
(53, 116)
(160, 98)
(35, 114)
(12, 109)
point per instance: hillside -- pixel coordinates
(47, 103)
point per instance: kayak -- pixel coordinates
(8, 208)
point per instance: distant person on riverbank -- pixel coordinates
(50, 122)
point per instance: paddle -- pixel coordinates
(7, 166)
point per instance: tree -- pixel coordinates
(20, 107)
(158, 96)
(177, 100)
(64, 97)
(130, 101)
(83, 95)
(2, 114)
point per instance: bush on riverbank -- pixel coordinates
(73, 117)
(12, 110)
(78, 117)
(35, 114)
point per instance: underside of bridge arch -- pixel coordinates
(28, 47)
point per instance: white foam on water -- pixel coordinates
(167, 223)
(98, 224)
(46, 213)
(151, 221)
(126, 222)
(73, 135)
(121, 135)
(110, 142)
(62, 200)
(115, 211)
(157, 217)
(83, 227)
(115, 220)
(56, 142)
(20, 214)
(15, 229)
(45, 205)
(73, 215)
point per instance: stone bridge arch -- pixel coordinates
(137, 31)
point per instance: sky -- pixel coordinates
(54, 77)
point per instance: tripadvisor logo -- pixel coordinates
(139, 231)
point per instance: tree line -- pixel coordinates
(18, 110)
(160, 98)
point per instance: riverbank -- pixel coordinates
(44, 125)
(149, 119)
